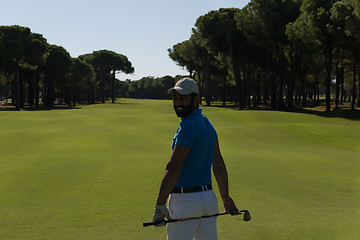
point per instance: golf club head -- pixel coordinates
(247, 216)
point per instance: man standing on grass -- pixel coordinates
(187, 178)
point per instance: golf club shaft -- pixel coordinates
(182, 219)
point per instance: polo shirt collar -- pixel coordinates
(194, 113)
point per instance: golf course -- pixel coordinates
(94, 171)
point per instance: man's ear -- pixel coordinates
(197, 100)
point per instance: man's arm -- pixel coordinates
(172, 173)
(221, 176)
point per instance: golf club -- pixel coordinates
(246, 217)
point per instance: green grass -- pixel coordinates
(94, 172)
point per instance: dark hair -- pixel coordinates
(193, 95)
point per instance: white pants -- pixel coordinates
(193, 205)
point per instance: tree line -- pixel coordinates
(276, 52)
(32, 70)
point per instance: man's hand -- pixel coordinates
(159, 214)
(230, 206)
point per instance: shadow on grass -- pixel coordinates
(9, 107)
(342, 113)
(127, 103)
(41, 108)
(346, 113)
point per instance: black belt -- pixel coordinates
(192, 189)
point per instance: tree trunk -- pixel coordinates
(358, 95)
(303, 88)
(266, 90)
(8, 84)
(74, 92)
(36, 87)
(237, 78)
(68, 95)
(272, 81)
(247, 81)
(50, 92)
(337, 88)
(102, 90)
(88, 94)
(291, 84)
(246, 86)
(207, 81)
(191, 74)
(31, 88)
(45, 90)
(354, 84)
(113, 87)
(17, 87)
(314, 93)
(281, 78)
(342, 90)
(328, 60)
(317, 89)
(280, 91)
(258, 89)
(22, 90)
(225, 90)
(201, 87)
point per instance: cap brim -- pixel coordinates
(180, 90)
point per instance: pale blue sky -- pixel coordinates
(142, 30)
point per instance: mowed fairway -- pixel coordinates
(94, 172)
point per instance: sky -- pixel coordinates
(142, 30)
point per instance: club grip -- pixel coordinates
(146, 224)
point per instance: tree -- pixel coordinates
(303, 55)
(338, 15)
(184, 54)
(196, 58)
(83, 81)
(317, 14)
(355, 4)
(57, 68)
(351, 14)
(219, 31)
(165, 83)
(269, 25)
(120, 63)
(252, 58)
(14, 41)
(35, 58)
(105, 62)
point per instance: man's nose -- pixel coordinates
(176, 102)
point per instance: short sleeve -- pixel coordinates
(186, 134)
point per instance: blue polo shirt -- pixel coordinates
(196, 132)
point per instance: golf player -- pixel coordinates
(187, 178)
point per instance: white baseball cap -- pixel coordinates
(185, 86)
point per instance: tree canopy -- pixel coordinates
(37, 71)
(276, 53)
(279, 52)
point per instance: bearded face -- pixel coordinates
(183, 104)
(184, 110)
